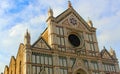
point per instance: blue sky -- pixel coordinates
(18, 15)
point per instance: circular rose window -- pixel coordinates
(74, 40)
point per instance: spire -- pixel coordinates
(50, 15)
(112, 52)
(69, 4)
(90, 22)
(27, 38)
(50, 12)
(111, 49)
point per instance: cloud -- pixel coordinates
(5, 6)
(17, 30)
(108, 28)
(91, 8)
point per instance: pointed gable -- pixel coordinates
(20, 50)
(12, 65)
(6, 70)
(71, 13)
(41, 43)
(12, 60)
(105, 54)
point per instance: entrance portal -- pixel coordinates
(80, 71)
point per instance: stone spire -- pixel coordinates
(112, 52)
(27, 38)
(90, 22)
(69, 4)
(50, 12)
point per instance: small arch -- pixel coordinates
(80, 70)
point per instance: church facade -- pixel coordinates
(67, 46)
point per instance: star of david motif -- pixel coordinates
(73, 21)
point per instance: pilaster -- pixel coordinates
(117, 67)
(100, 65)
(69, 68)
(27, 60)
(55, 64)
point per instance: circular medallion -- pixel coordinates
(73, 21)
(74, 40)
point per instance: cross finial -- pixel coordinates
(104, 47)
(69, 4)
(27, 31)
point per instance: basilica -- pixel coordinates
(67, 46)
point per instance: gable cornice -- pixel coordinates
(69, 11)
(38, 41)
(103, 51)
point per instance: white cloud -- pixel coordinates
(38, 20)
(91, 8)
(5, 5)
(17, 30)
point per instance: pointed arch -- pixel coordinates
(80, 70)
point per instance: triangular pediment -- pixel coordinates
(67, 15)
(79, 64)
(105, 54)
(41, 43)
